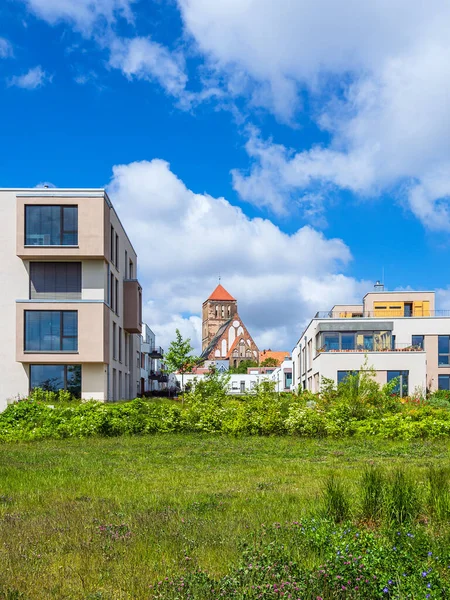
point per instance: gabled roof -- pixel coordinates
(220, 293)
(213, 342)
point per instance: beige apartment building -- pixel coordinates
(70, 306)
(401, 335)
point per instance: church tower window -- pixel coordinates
(229, 311)
(223, 311)
(217, 311)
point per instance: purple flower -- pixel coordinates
(385, 590)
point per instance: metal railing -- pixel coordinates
(379, 314)
(156, 352)
(376, 347)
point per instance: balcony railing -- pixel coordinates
(156, 352)
(379, 314)
(374, 348)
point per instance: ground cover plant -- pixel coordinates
(109, 517)
(357, 407)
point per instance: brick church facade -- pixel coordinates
(224, 335)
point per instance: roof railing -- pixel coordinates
(379, 314)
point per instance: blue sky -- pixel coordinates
(324, 129)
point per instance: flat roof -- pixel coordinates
(68, 192)
(400, 292)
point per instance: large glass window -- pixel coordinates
(331, 342)
(402, 384)
(368, 342)
(444, 382)
(51, 225)
(348, 341)
(444, 350)
(418, 341)
(342, 375)
(55, 280)
(56, 377)
(51, 330)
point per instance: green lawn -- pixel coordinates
(180, 499)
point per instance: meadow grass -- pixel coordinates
(105, 518)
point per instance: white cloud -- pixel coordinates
(34, 78)
(185, 240)
(6, 49)
(143, 58)
(85, 15)
(377, 75)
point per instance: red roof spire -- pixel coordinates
(220, 293)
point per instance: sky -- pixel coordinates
(300, 150)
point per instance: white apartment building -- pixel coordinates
(153, 379)
(70, 308)
(401, 333)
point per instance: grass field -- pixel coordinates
(105, 518)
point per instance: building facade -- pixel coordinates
(71, 306)
(224, 335)
(399, 334)
(153, 378)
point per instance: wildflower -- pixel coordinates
(430, 554)
(424, 573)
(385, 590)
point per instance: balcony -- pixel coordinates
(156, 352)
(374, 348)
(377, 314)
(132, 306)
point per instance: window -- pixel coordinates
(331, 342)
(342, 375)
(223, 311)
(402, 384)
(51, 225)
(348, 341)
(116, 303)
(114, 334)
(287, 380)
(117, 252)
(408, 309)
(126, 264)
(131, 276)
(120, 385)
(234, 385)
(444, 382)
(111, 291)
(111, 243)
(368, 342)
(120, 344)
(126, 348)
(56, 377)
(444, 350)
(418, 341)
(55, 280)
(229, 311)
(51, 330)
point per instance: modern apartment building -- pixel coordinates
(70, 308)
(401, 333)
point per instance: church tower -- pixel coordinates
(217, 310)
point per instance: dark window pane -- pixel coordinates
(47, 377)
(55, 280)
(404, 379)
(74, 380)
(443, 359)
(331, 342)
(348, 341)
(444, 382)
(418, 340)
(443, 344)
(43, 330)
(51, 225)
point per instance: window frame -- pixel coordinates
(62, 336)
(61, 232)
(447, 354)
(65, 371)
(440, 378)
(56, 295)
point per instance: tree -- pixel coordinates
(270, 361)
(179, 358)
(243, 366)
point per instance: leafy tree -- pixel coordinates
(241, 369)
(179, 356)
(270, 361)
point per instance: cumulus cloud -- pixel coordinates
(377, 78)
(84, 15)
(142, 58)
(184, 240)
(32, 79)
(6, 49)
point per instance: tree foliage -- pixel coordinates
(270, 361)
(179, 356)
(241, 369)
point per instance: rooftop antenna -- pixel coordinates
(219, 278)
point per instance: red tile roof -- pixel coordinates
(220, 293)
(279, 356)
